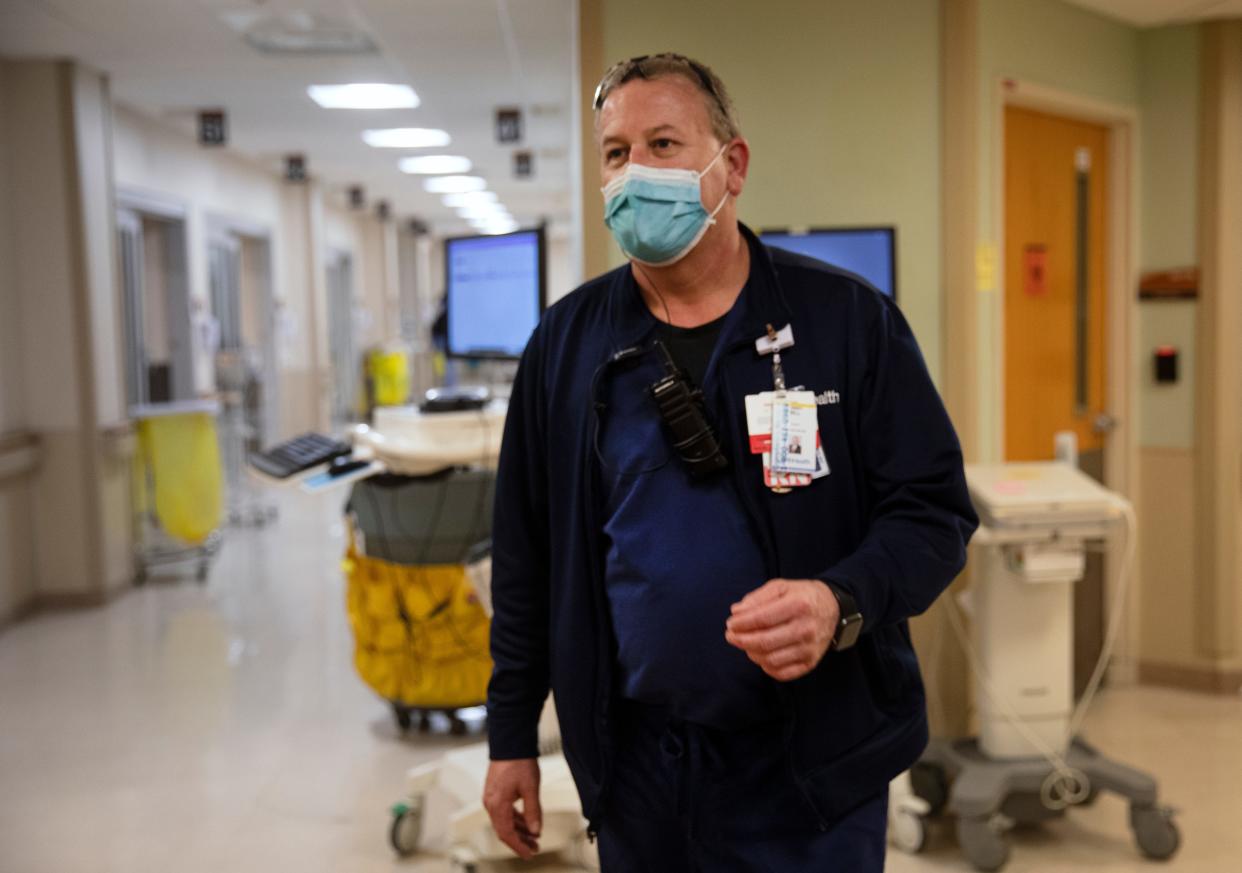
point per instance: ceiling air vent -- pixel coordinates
(299, 32)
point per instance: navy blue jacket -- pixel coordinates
(889, 525)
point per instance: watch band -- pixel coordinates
(850, 621)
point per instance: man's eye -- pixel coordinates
(614, 154)
(662, 144)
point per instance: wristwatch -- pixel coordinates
(850, 623)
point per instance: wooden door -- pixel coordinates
(1056, 276)
(1056, 280)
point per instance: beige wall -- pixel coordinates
(16, 554)
(841, 133)
(12, 403)
(62, 314)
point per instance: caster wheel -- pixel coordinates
(982, 843)
(457, 727)
(1154, 831)
(908, 832)
(463, 861)
(200, 575)
(424, 723)
(930, 783)
(402, 715)
(406, 829)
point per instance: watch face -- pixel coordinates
(847, 631)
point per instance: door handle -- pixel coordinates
(1103, 423)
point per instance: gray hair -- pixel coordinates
(720, 109)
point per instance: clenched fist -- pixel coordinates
(785, 626)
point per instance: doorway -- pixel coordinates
(246, 374)
(1057, 202)
(344, 347)
(159, 356)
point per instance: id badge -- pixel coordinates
(795, 432)
(782, 481)
(759, 421)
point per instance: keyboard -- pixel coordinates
(298, 454)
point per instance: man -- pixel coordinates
(728, 649)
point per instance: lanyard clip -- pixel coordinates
(774, 340)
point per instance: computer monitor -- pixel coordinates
(871, 252)
(494, 288)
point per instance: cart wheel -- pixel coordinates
(462, 860)
(909, 831)
(406, 829)
(982, 843)
(929, 782)
(457, 727)
(402, 715)
(1154, 831)
(424, 723)
(200, 574)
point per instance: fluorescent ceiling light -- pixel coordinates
(483, 210)
(406, 138)
(497, 221)
(496, 229)
(364, 96)
(454, 184)
(435, 164)
(468, 198)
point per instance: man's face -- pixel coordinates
(660, 123)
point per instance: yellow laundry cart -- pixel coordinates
(177, 487)
(420, 628)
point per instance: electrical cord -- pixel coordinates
(667, 316)
(1065, 786)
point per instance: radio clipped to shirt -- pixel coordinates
(784, 425)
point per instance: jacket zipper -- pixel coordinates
(603, 674)
(769, 547)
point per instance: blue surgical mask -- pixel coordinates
(656, 214)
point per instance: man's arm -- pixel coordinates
(519, 633)
(919, 523)
(921, 516)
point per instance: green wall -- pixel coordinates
(840, 102)
(1169, 144)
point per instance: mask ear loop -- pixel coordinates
(711, 216)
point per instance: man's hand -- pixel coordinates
(508, 782)
(785, 626)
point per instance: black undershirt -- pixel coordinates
(692, 347)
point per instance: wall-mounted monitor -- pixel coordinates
(495, 292)
(871, 252)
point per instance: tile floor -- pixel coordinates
(188, 728)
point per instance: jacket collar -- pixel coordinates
(761, 303)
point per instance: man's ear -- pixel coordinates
(737, 158)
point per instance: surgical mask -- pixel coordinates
(656, 214)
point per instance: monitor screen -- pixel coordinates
(494, 290)
(871, 252)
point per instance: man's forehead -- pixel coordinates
(643, 105)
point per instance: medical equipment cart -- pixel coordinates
(1027, 764)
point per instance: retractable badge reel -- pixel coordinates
(783, 424)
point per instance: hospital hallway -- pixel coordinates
(222, 728)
